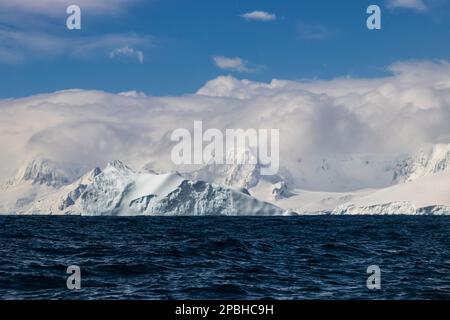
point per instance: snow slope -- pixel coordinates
(429, 194)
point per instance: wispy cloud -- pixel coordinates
(259, 16)
(19, 46)
(417, 5)
(232, 64)
(312, 31)
(126, 51)
(39, 14)
(57, 7)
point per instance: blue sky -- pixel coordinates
(172, 47)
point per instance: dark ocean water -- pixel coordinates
(225, 258)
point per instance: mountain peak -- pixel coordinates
(45, 172)
(118, 165)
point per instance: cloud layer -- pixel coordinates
(392, 115)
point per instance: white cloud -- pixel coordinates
(259, 16)
(19, 46)
(126, 51)
(417, 5)
(231, 64)
(391, 115)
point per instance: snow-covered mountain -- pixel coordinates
(118, 190)
(425, 163)
(419, 184)
(46, 172)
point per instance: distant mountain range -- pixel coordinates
(418, 185)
